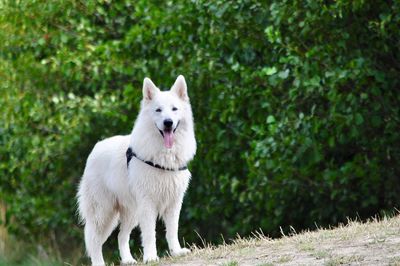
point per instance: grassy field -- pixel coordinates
(376, 242)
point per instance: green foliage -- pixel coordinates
(296, 106)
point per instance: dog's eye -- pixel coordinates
(174, 109)
(158, 110)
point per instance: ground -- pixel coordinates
(376, 242)
(371, 243)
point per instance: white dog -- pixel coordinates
(133, 179)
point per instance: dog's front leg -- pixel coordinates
(148, 218)
(171, 220)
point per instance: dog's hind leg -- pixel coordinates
(128, 222)
(93, 244)
(96, 233)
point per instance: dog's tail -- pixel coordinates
(81, 204)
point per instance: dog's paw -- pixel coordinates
(128, 262)
(150, 258)
(180, 252)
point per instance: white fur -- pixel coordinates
(111, 193)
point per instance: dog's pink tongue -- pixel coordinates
(168, 139)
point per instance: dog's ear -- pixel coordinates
(180, 88)
(149, 89)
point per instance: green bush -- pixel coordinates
(296, 106)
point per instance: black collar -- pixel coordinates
(130, 154)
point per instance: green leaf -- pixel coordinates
(270, 119)
(284, 74)
(269, 71)
(359, 119)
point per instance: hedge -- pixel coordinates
(296, 105)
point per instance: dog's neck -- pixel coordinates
(130, 154)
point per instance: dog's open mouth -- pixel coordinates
(168, 136)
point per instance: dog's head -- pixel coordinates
(166, 108)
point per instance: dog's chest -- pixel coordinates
(158, 186)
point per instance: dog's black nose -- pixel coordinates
(168, 123)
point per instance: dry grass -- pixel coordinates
(376, 242)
